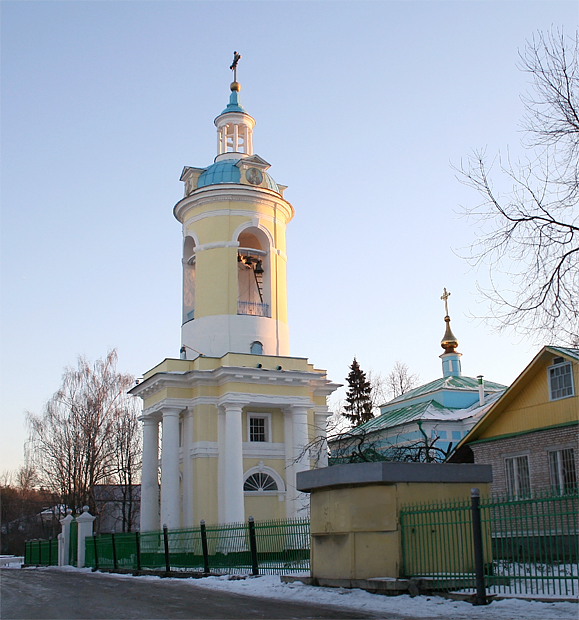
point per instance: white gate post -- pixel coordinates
(85, 525)
(64, 539)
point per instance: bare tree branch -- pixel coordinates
(88, 433)
(530, 231)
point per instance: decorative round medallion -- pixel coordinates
(254, 176)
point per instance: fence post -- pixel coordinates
(50, 551)
(85, 529)
(205, 548)
(138, 542)
(39, 552)
(114, 545)
(253, 547)
(166, 543)
(64, 539)
(481, 595)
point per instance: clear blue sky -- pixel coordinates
(361, 108)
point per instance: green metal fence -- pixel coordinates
(529, 545)
(270, 547)
(41, 552)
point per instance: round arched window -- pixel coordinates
(260, 482)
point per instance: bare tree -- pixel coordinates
(400, 380)
(75, 444)
(530, 231)
(126, 459)
(361, 445)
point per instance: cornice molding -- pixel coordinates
(228, 192)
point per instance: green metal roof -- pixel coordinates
(424, 410)
(574, 353)
(469, 384)
(402, 415)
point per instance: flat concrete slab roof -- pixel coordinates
(391, 473)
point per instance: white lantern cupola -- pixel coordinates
(234, 128)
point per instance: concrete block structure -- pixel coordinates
(355, 524)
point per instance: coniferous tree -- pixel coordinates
(359, 398)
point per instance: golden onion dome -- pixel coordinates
(449, 341)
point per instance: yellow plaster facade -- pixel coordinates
(527, 405)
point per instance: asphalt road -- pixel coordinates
(53, 595)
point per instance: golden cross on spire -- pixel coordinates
(445, 297)
(233, 67)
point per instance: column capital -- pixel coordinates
(168, 412)
(231, 407)
(149, 420)
(298, 410)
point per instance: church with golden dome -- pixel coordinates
(427, 422)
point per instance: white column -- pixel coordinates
(301, 460)
(320, 423)
(150, 476)
(236, 138)
(231, 508)
(188, 489)
(170, 501)
(85, 525)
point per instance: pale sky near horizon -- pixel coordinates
(362, 109)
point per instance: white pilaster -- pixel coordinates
(170, 504)
(150, 476)
(231, 508)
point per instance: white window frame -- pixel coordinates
(570, 390)
(516, 475)
(262, 469)
(556, 469)
(261, 416)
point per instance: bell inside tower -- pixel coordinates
(253, 274)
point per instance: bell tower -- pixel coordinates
(232, 418)
(234, 219)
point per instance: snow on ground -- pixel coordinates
(270, 586)
(11, 561)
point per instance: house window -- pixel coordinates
(260, 482)
(518, 479)
(259, 427)
(561, 379)
(562, 469)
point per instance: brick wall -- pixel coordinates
(536, 445)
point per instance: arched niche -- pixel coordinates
(254, 273)
(189, 276)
